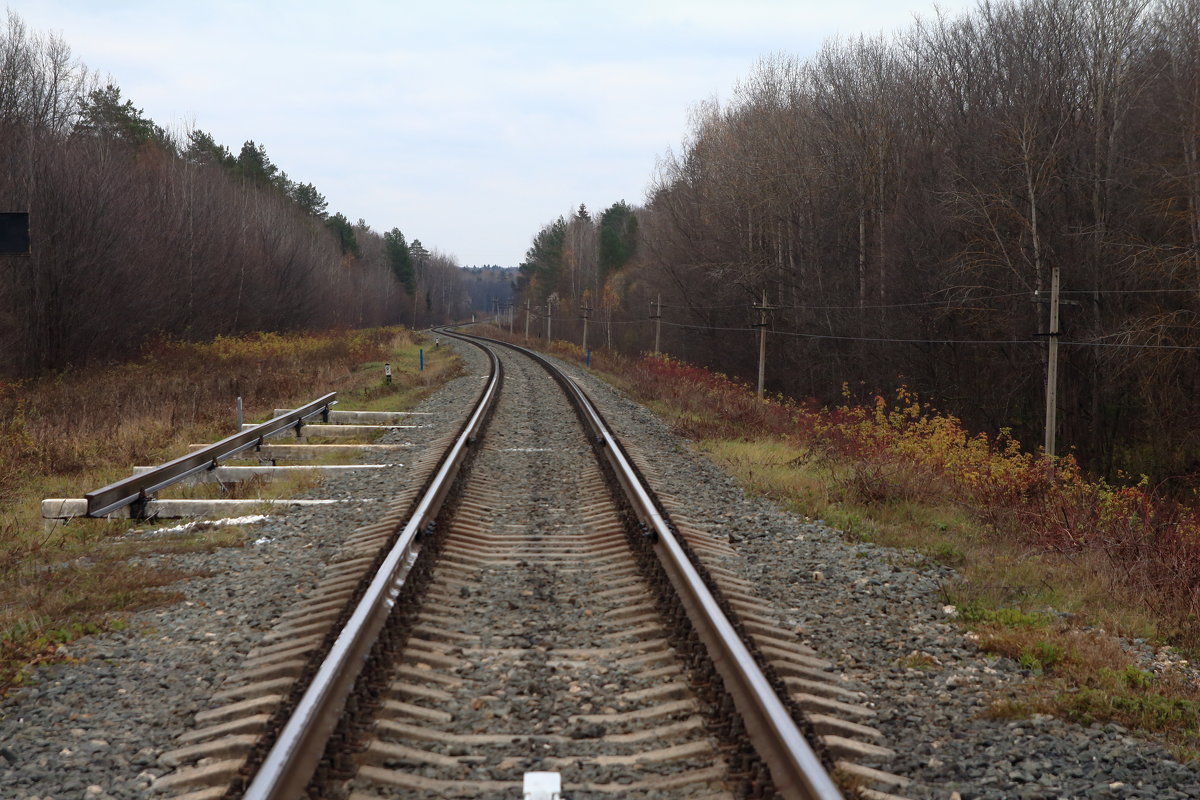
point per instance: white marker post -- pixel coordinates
(542, 786)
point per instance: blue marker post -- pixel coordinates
(421, 359)
(587, 359)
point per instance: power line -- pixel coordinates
(1125, 291)
(923, 303)
(856, 307)
(917, 304)
(887, 340)
(1131, 346)
(798, 335)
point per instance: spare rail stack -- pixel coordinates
(135, 497)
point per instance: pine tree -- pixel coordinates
(344, 232)
(400, 259)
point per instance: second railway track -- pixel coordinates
(536, 635)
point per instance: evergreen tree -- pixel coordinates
(102, 114)
(203, 149)
(253, 166)
(344, 232)
(285, 185)
(544, 259)
(308, 198)
(618, 237)
(400, 259)
(418, 253)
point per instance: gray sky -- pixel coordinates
(468, 125)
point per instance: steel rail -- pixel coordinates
(795, 768)
(138, 487)
(293, 758)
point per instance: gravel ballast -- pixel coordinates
(871, 608)
(528, 611)
(94, 727)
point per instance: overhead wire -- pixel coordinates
(884, 339)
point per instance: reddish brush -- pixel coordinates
(905, 450)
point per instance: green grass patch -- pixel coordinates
(773, 469)
(919, 661)
(410, 384)
(1085, 677)
(977, 614)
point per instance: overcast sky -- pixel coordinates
(468, 125)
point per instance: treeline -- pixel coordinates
(572, 266)
(139, 233)
(903, 201)
(490, 287)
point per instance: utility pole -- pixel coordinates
(527, 320)
(549, 309)
(762, 341)
(1052, 367)
(608, 324)
(587, 311)
(656, 315)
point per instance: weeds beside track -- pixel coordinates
(1052, 565)
(67, 433)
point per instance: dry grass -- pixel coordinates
(70, 433)
(257, 487)
(1085, 676)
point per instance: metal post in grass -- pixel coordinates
(421, 360)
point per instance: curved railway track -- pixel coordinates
(526, 605)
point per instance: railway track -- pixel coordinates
(524, 612)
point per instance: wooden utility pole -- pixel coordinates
(587, 311)
(656, 315)
(1052, 367)
(762, 341)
